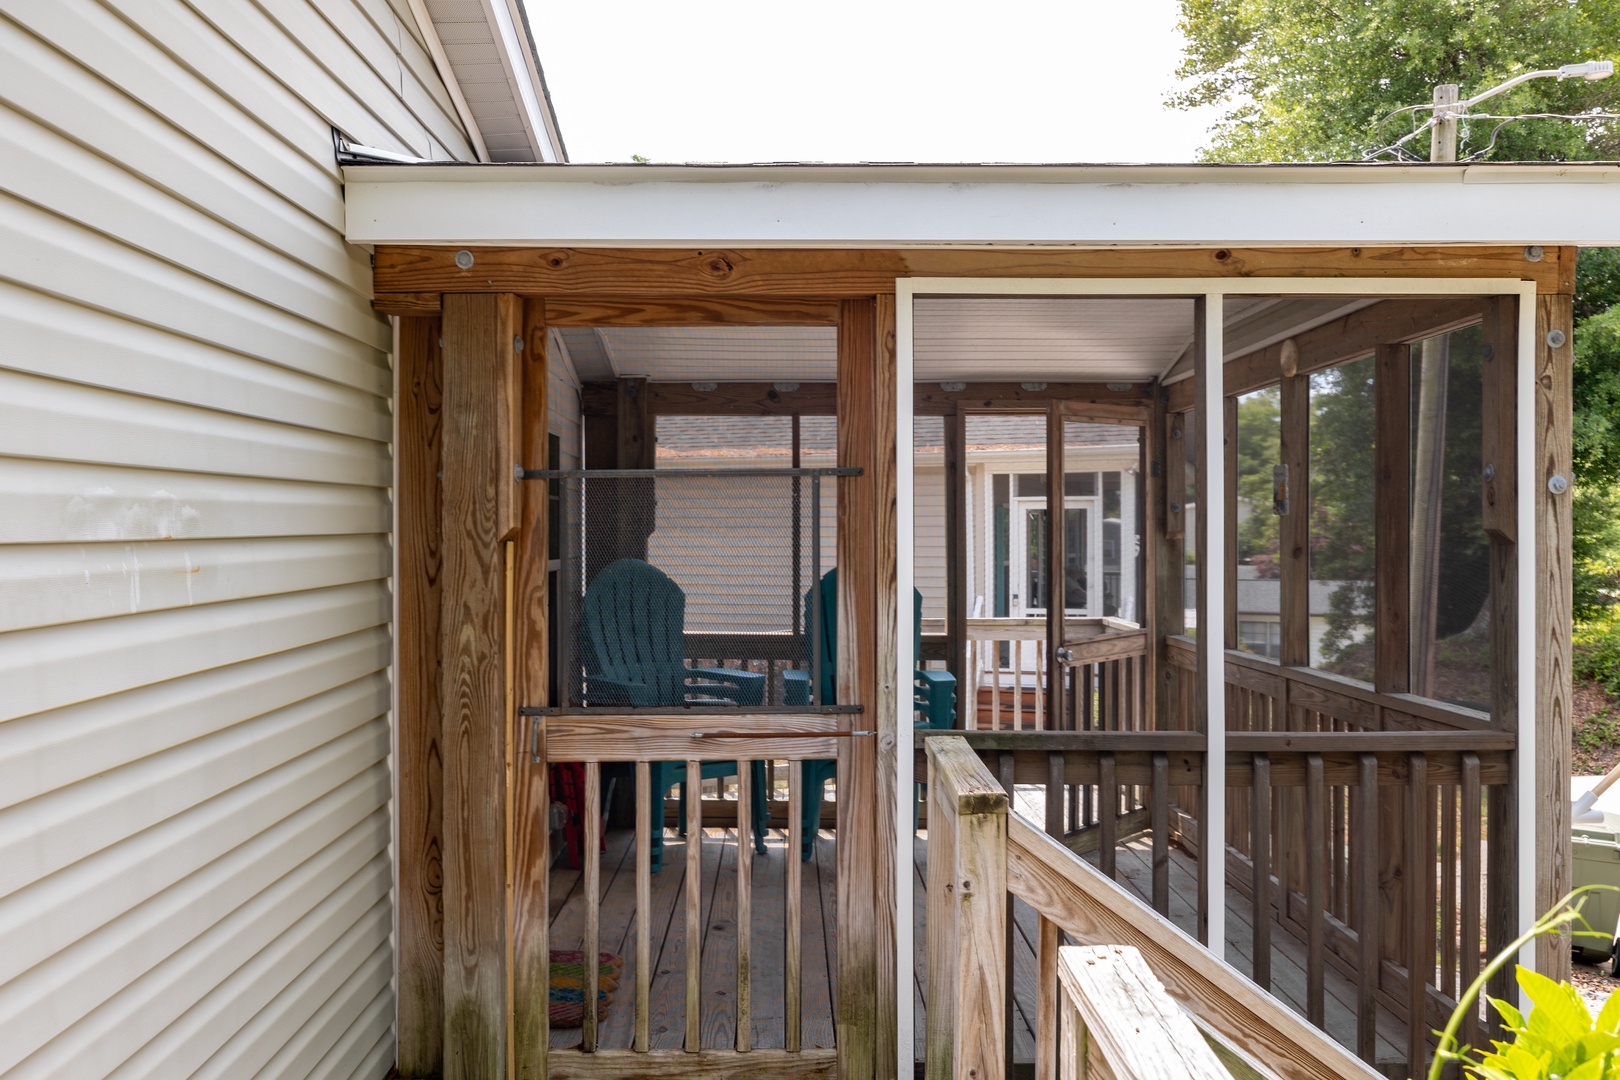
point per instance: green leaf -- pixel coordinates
(1608, 1020)
(1559, 1014)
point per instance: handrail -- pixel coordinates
(1244, 668)
(1116, 1014)
(980, 852)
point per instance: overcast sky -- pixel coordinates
(865, 80)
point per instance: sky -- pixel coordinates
(866, 80)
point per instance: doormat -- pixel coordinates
(567, 986)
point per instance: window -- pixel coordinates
(1260, 638)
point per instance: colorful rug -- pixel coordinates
(567, 986)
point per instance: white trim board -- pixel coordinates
(910, 206)
(909, 289)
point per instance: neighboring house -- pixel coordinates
(196, 418)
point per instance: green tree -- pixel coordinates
(1308, 80)
(1324, 80)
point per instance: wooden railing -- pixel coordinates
(981, 852)
(1008, 680)
(1371, 834)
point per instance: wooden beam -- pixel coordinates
(820, 273)
(1229, 521)
(421, 305)
(1294, 528)
(691, 311)
(1093, 402)
(1392, 451)
(956, 561)
(1350, 337)
(1499, 387)
(1554, 600)
(867, 610)
(1056, 567)
(418, 760)
(531, 834)
(637, 443)
(478, 452)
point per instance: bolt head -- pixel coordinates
(464, 259)
(1556, 339)
(1557, 483)
(1533, 253)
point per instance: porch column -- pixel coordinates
(1554, 394)
(1210, 392)
(867, 654)
(479, 496)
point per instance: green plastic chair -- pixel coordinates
(635, 654)
(934, 698)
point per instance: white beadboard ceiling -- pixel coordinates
(969, 339)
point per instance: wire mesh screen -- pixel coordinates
(692, 587)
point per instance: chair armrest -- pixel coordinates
(605, 690)
(795, 687)
(938, 691)
(743, 687)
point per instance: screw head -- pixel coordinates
(1533, 253)
(1489, 473)
(1556, 339)
(464, 259)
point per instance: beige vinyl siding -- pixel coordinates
(195, 419)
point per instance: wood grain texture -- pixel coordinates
(1370, 910)
(419, 763)
(1554, 601)
(479, 330)
(1046, 1002)
(1134, 1029)
(425, 305)
(694, 909)
(1392, 510)
(1096, 912)
(652, 737)
(1419, 912)
(531, 836)
(820, 273)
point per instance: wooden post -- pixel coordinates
(1167, 473)
(1294, 528)
(1554, 599)
(531, 833)
(867, 616)
(1150, 524)
(956, 563)
(967, 906)
(1229, 521)
(480, 365)
(1392, 389)
(1056, 566)
(420, 899)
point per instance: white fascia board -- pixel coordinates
(915, 206)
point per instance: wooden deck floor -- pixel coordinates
(820, 934)
(719, 980)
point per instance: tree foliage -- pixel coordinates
(1314, 80)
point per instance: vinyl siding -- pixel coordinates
(195, 471)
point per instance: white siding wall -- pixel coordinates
(194, 557)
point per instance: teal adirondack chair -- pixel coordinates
(635, 654)
(934, 698)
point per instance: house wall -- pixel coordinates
(194, 555)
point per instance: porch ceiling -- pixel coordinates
(962, 339)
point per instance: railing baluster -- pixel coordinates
(1006, 764)
(1108, 813)
(1448, 888)
(1316, 866)
(1469, 837)
(1046, 1000)
(1367, 960)
(1419, 910)
(1054, 794)
(793, 1037)
(1161, 833)
(644, 812)
(745, 908)
(592, 843)
(1260, 856)
(694, 906)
